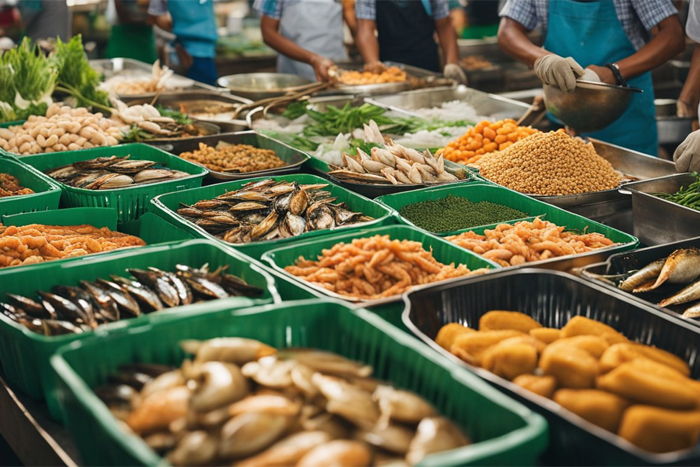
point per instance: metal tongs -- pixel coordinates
(535, 113)
(291, 94)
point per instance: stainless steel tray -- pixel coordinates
(194, 100)
(627, 161)
(384, 88)
(552, 298)
(489, 105)
(657, 221)
(294, 158)
(114, 66)
(622, 263)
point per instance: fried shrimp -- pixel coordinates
(375, 267)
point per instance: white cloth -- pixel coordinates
(692, 26)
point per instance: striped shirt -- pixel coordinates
(438, 9)
(637, 17)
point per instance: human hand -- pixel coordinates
(603, 73)
(454, 72)
(558, 71)
(687, 155)
(686, 110)
(375, 67)
(321, 66)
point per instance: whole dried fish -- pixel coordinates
(681, 267)
(649, 272)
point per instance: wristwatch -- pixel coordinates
(615, 68)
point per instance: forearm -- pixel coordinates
(448, 40)
(367, 41)
(513, 40)
(669, 42)
(691, 89)
(284, 46)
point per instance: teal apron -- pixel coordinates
(194, 25)
(591, 33)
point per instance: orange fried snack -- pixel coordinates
(390, 75)
(36, 243)
(525, 242)
(375, 267)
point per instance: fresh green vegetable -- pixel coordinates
(295, 110)
(179, 117)
(686, 196)
(76, 77)
(456, 213)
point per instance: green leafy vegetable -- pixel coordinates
(179, 117)
(75, 75)
(295, 110)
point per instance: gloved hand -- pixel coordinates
(685, 110)
(558, 71)
(321, 66)
(687, 155)
(590, 75)
(454, 72)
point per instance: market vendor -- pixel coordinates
(613, 41)
(687, 155)
(46, 19)
(132, 37)
(194, 24)
(308, 34)
(405, 32)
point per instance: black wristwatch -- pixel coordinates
(615, 68)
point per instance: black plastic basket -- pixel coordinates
(552, 298)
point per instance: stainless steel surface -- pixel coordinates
(34, 437)
(657, 221)
(624, 160)
(293, 157)
(115, 66)
(591, 107)
(198, 101)
(207, 128)
(672, 129)
(258, 86)
(485, 104)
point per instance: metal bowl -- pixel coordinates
(591, 107)
(258, 86)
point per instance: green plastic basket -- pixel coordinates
(47, 193)
(474, 192)
(150, 228)
(130, 201)
(25, 354)
(503, 431)
(513, 199)
(167, 205)
(442, 250)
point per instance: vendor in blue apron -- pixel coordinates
(405, 33)
(687, 154)
(193, 23)
(613, 41)
(308, 35)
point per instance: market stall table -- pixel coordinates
(31, 433)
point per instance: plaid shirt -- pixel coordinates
(366, 9)
(274, 8)
(637, 17)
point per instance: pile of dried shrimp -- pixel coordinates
(9, 186)
(36, 243)
(375, 267)
(525, 242)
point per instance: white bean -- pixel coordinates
(6, 134)
(74, 147)
(98, 139)
(65, 139)
(51, 140)
(87, 132)
(41, 140)
(24, 148)
(80, 141)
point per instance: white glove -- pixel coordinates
(454, 72)
(558, 71)
(687, 155)
(590, 75)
